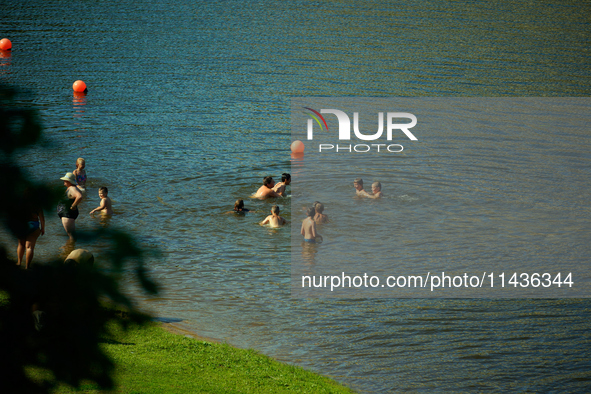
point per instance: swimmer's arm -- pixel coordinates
(377, 195)
(99, 208)
(303, 232)
(273, 193)
(314, 233)
(265, 221)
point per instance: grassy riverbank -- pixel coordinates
(152, 360)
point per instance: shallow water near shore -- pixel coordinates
(189, 108)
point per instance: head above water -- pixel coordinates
(358, 183)
(286, 178)
(268, 181)
(376, 186)
(311, 212)
(239, 204)
(275, 209)
(319, 207)
(104, 191)
(80, 163)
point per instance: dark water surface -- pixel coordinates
(188, 109)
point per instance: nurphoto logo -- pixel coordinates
(393, 124)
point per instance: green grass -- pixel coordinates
(152, 360)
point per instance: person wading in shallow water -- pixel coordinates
(30, 227)
(266, 190)
(309, 227)
(274, 220)
(68, 209)
(279, 188)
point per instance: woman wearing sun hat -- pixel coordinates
(68, 209)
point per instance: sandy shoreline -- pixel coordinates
(172, 328)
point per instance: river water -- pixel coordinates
(189, 108)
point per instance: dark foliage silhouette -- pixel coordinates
(54, 316)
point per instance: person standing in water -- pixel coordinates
(309, 227)
(274, 219)
(80, 174)
(68, 209)
(30, 227)
(105, 206)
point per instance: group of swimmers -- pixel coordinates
(272, 189)
(269, 189)
(376, 189)
(67, 210)
(315, 216)
(75, 183)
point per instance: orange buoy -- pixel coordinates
(5, 44)
(79, 86)
(297, 146)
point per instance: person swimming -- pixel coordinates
(376, 189)
(239, 207)
(279, 188)
(266, 190)
(358, 185)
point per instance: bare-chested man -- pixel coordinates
(309, 227)
(266, 190)
(279, 188)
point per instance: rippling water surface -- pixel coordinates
(188, 109)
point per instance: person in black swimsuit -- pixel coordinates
(68, 209)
